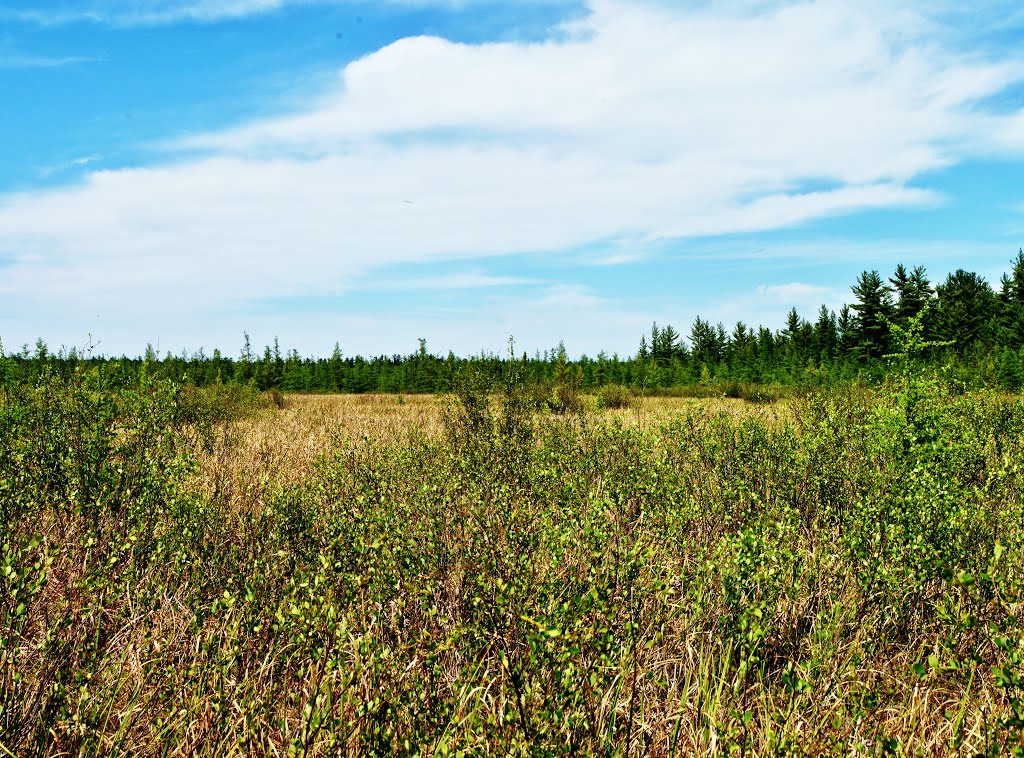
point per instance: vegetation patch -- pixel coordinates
(840, 574)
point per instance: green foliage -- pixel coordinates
(839, 574)
(614, 396)
(219, 403)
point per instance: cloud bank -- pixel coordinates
(641, 122)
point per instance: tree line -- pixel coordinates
(976, 334)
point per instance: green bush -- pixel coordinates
(614, 396)
(565, 398)
(758, 394)
(219, 403)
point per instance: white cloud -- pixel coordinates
(569, 296)
(458, 281)
(41, 61)
(639, 123)
(159, 12)
(145, 13)
(797, 292)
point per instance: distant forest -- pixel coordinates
(977, 334)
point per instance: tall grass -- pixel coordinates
(844, 578)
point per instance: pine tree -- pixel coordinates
(665, 345)
(707, 342)
(1011, 305)
(826, 335)
(874, 306)
(244, 367)
(967, 310)
(1008, 370)
(1013, 285)
(913, 291)
(335, 372)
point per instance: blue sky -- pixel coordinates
(176, 172)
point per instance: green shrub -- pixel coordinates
(219, 403)
(758, 394)
(614, 396)
(814, 580)
(565, 398)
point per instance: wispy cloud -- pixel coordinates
(41, 61)
(572, 296)
(146, 13)
(798, 293)
(159, 12)
(457, 281)
(71, 165)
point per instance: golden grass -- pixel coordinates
(224, 686)
(281, 447)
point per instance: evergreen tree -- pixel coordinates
(766, 353)
(740, 351)
(826, 335)
(664, 345)
(1011, 305)
(278, 374)
(967, 308)
(1013, 285)
(1009, 369)
(912, 290)
(707, 343)
(874, 307)
(846, 325)
(336, 373)
(792, 327)
(740, 338)
(244, 367)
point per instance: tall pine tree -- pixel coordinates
(874, 307)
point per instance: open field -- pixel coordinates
(286, 445)
(379, 575)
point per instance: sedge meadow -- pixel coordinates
(221, 571)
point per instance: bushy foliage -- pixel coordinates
(844, 578)
(615, 396)
(220, 403)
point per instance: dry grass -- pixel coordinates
(277, 448)
(357, 575)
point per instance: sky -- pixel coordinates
(181, 172)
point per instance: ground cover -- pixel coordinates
(837, 573)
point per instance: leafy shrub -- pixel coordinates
(732, 390)
(614, 396)
(278, 401)
(565, 398)
(219, 403)
(758, 394)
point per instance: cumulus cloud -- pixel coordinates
(638, 123)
